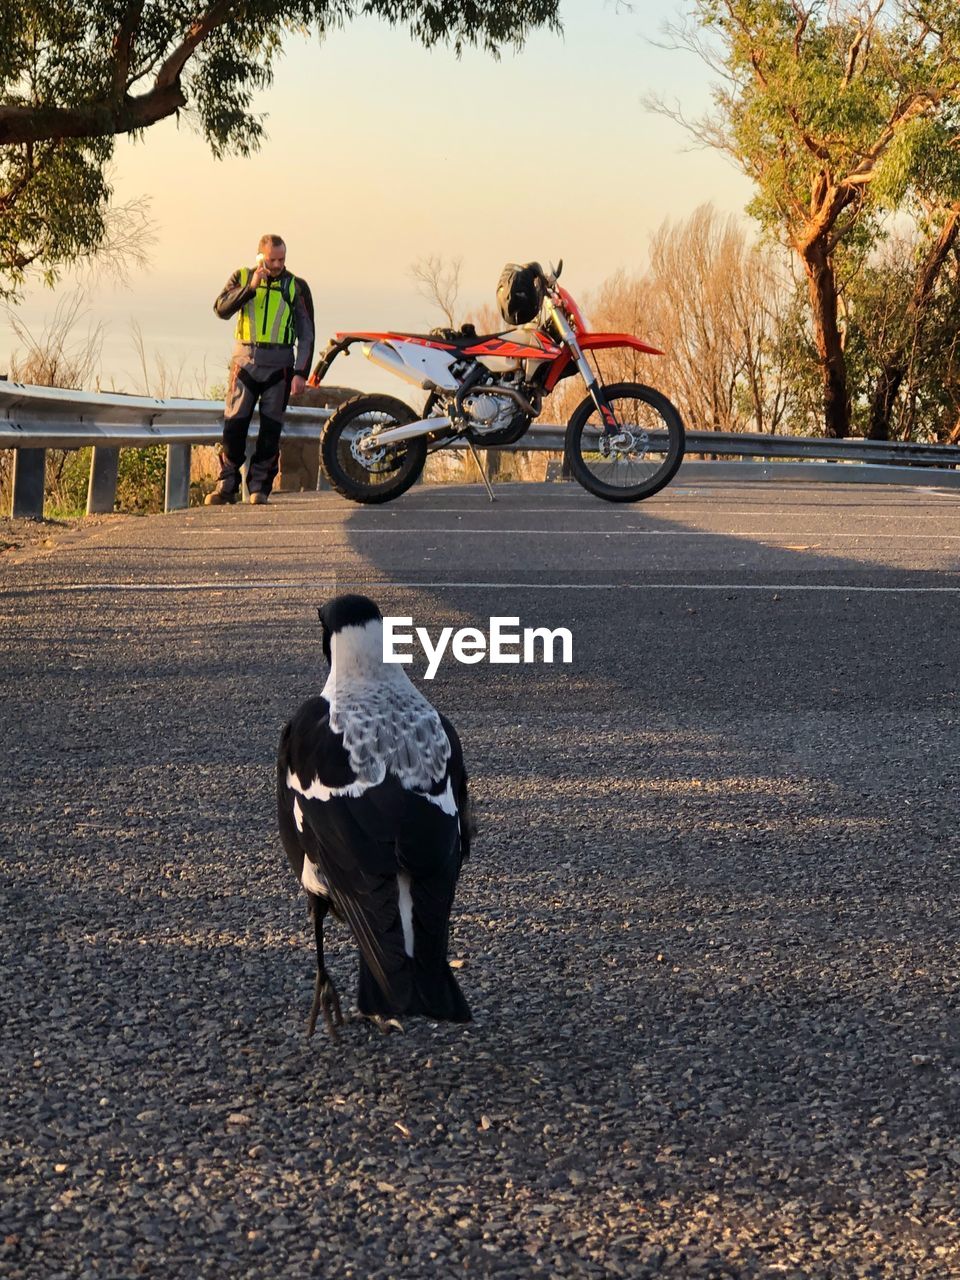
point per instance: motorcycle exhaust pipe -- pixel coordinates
(380, 353)
(409, 430)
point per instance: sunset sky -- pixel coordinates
(381, 153)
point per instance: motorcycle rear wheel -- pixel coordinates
(643, 455)
(383, 474)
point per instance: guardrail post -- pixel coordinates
(176, 495)
(102, 489)
(29, 470)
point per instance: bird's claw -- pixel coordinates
(332, 1015)
(384, 1025)
(325, 1001)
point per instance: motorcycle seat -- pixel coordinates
(466, 336)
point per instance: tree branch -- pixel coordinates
(934, 262)
(756, 62)
(120, 113)
(803, 18)
(207, 23)
(833, 199)
(863, 38)
(815, 148)
(915, 105)
(93, 120)
(123, 48)
(853, 53)
(9, 197)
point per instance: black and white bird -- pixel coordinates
(374, 817)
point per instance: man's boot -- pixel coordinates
(260, 477)
(221, 496)
(228, 485)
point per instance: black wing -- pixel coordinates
(459, 779)
(312, 762)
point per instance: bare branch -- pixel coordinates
(439, 282)
(685, 37)
(129, 233)
(57, 356)
(706, 131)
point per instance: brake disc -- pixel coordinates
(367, 458)
(628, 442)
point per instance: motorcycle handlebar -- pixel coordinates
(550, 276)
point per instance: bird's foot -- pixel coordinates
(325, 1001)
(386, 1026)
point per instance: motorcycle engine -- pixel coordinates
(491, 413)
(488, 411)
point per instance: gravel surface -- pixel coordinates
(709, 931)
(19, 534)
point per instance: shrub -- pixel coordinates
(65, 487)
(141, 479)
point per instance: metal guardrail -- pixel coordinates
(34, 419)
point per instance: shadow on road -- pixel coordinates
(708, 930)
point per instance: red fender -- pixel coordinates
(596, 342)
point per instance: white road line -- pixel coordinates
(888, 512)
(340, 583)
(774, 534)
(611, 508)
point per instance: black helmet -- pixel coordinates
(520, 292)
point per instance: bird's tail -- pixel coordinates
(424, 989)
(379, 996)
(437, 994)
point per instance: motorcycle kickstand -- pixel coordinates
(483, 474)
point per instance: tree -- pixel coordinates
(934, 198)
(718, 300)
(904, 332)
(718, 307)
(74, 74)
(439, 282)
(904, 337)
(831, 107)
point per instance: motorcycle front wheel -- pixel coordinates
(373, 475)
(636, 460)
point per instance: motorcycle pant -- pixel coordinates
(242, 395)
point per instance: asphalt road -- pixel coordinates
(709, 931)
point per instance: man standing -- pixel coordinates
(273, 308)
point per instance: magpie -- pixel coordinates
(374, 817)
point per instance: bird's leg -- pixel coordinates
(325, 997)
(325, 1001)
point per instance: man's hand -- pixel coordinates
(297, 384)
(258, 277)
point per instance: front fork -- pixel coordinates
(609, 419)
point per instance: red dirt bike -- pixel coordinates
(623, 443)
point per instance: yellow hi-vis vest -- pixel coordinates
(268, 316)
